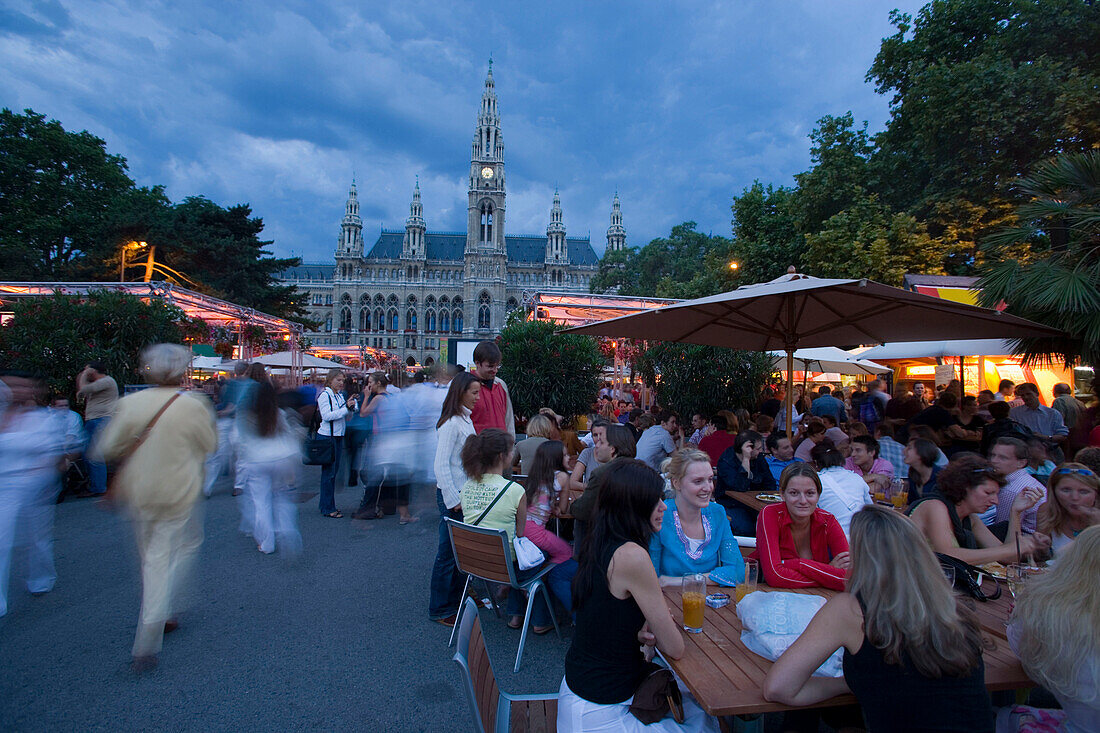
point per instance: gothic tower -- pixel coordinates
(616, 233)
(349, 247)
(486, 257)
(413, 247)
(557, 257)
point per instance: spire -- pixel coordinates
(413, 245)
(488, 142)
(556, 224)
(351, 208)
(616, 233)
(351, 228)
(416, 209)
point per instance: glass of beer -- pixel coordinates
(899, 493)
(693, 597)
(752, 575)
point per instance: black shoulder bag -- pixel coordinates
(318, 450)
(966, 578)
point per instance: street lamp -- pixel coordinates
(135, 246)
(734, 265)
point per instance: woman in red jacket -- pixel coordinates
(799, 545)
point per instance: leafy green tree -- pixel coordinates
(57, 336)
(981, 91)
(766, 238)
(57, 189)
(1047, 267)
(687, 264)
(547, 368)
(839, 152)
(692, 378)
(867, 240)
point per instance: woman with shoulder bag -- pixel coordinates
(334, 411)
(620, 608)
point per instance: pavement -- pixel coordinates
(335, 638)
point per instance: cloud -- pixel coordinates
(678, 106)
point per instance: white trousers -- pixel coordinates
(167, 548)
(575, 714)
(26, 520)
(269, 486)
(218, 461)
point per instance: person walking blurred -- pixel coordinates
(31, 448)
(164, 434)
(100, 394)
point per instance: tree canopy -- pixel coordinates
(67, 208)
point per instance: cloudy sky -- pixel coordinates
(676, 105)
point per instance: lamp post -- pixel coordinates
(135, 246)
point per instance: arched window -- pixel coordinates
(364, 319)
(486, 221)
(429, 361)
(345, 318)
(444, 321)
(484, 315)
(410, 320)
(456, 322)
(410, 361)
(328, 323)
(511, 305)
(393, 319)
(379, 320)
(429, 318)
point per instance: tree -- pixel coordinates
(839, 152)
(688, 264)
(57, 336)
(867, 240)
(766, 238)
(692, 378)
(982, 90)
(56, 191)
(544, 367)
(1047, 267)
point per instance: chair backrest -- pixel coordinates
(477, 670)
(482, 552)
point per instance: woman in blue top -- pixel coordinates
(696, 536)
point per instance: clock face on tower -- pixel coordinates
(486, 172)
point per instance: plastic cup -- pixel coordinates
(693, 596)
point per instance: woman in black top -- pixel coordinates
(743, 467)
(912, 653)
(620, 610)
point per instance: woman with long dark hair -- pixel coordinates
(548, 495)
(912, 652)
(452, 430)
(619, 607)
(269, 451)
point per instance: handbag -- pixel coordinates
(112, 487)
(656, 697)
(318, 450)
(528, 555)
(966, 578)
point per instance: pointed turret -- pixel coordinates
(556, 257)
(616, 233)
(413, 247)
(351, 228)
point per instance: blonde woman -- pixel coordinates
(1075, 490)
(1054, 633)
(912, 653)
(695, 537)
(540, 429)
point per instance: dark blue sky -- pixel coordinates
(678, 106)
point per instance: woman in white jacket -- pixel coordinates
(334, 411)
(452, 430)
(269, 449)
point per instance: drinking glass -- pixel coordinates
(949, 573)
(898, 493)
(1015, 575)
(748, 585)
(693, 592)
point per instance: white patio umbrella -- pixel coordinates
(283, 359)
(830, 359)
(208, 363)
(798, 311)
(937, 349)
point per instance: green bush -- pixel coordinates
(56, 336)
(705, 379)
(546, 368)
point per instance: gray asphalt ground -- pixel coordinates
(337, 638)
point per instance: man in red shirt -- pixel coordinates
(494, 406)
(715, 444)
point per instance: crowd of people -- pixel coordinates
(618, 512)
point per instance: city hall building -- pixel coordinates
(414, 288)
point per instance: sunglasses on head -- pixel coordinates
(1080, 471)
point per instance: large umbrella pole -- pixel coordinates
(788, 406)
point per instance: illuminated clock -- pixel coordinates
(486, 172)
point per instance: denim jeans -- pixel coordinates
(447, 582)
(327, 499)
(97, 472)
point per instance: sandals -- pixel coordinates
(409, 520)
(515, 622)
(334, 515)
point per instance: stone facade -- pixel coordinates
(414, 288)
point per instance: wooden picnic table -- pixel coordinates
(749, 498)
(726, 678)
